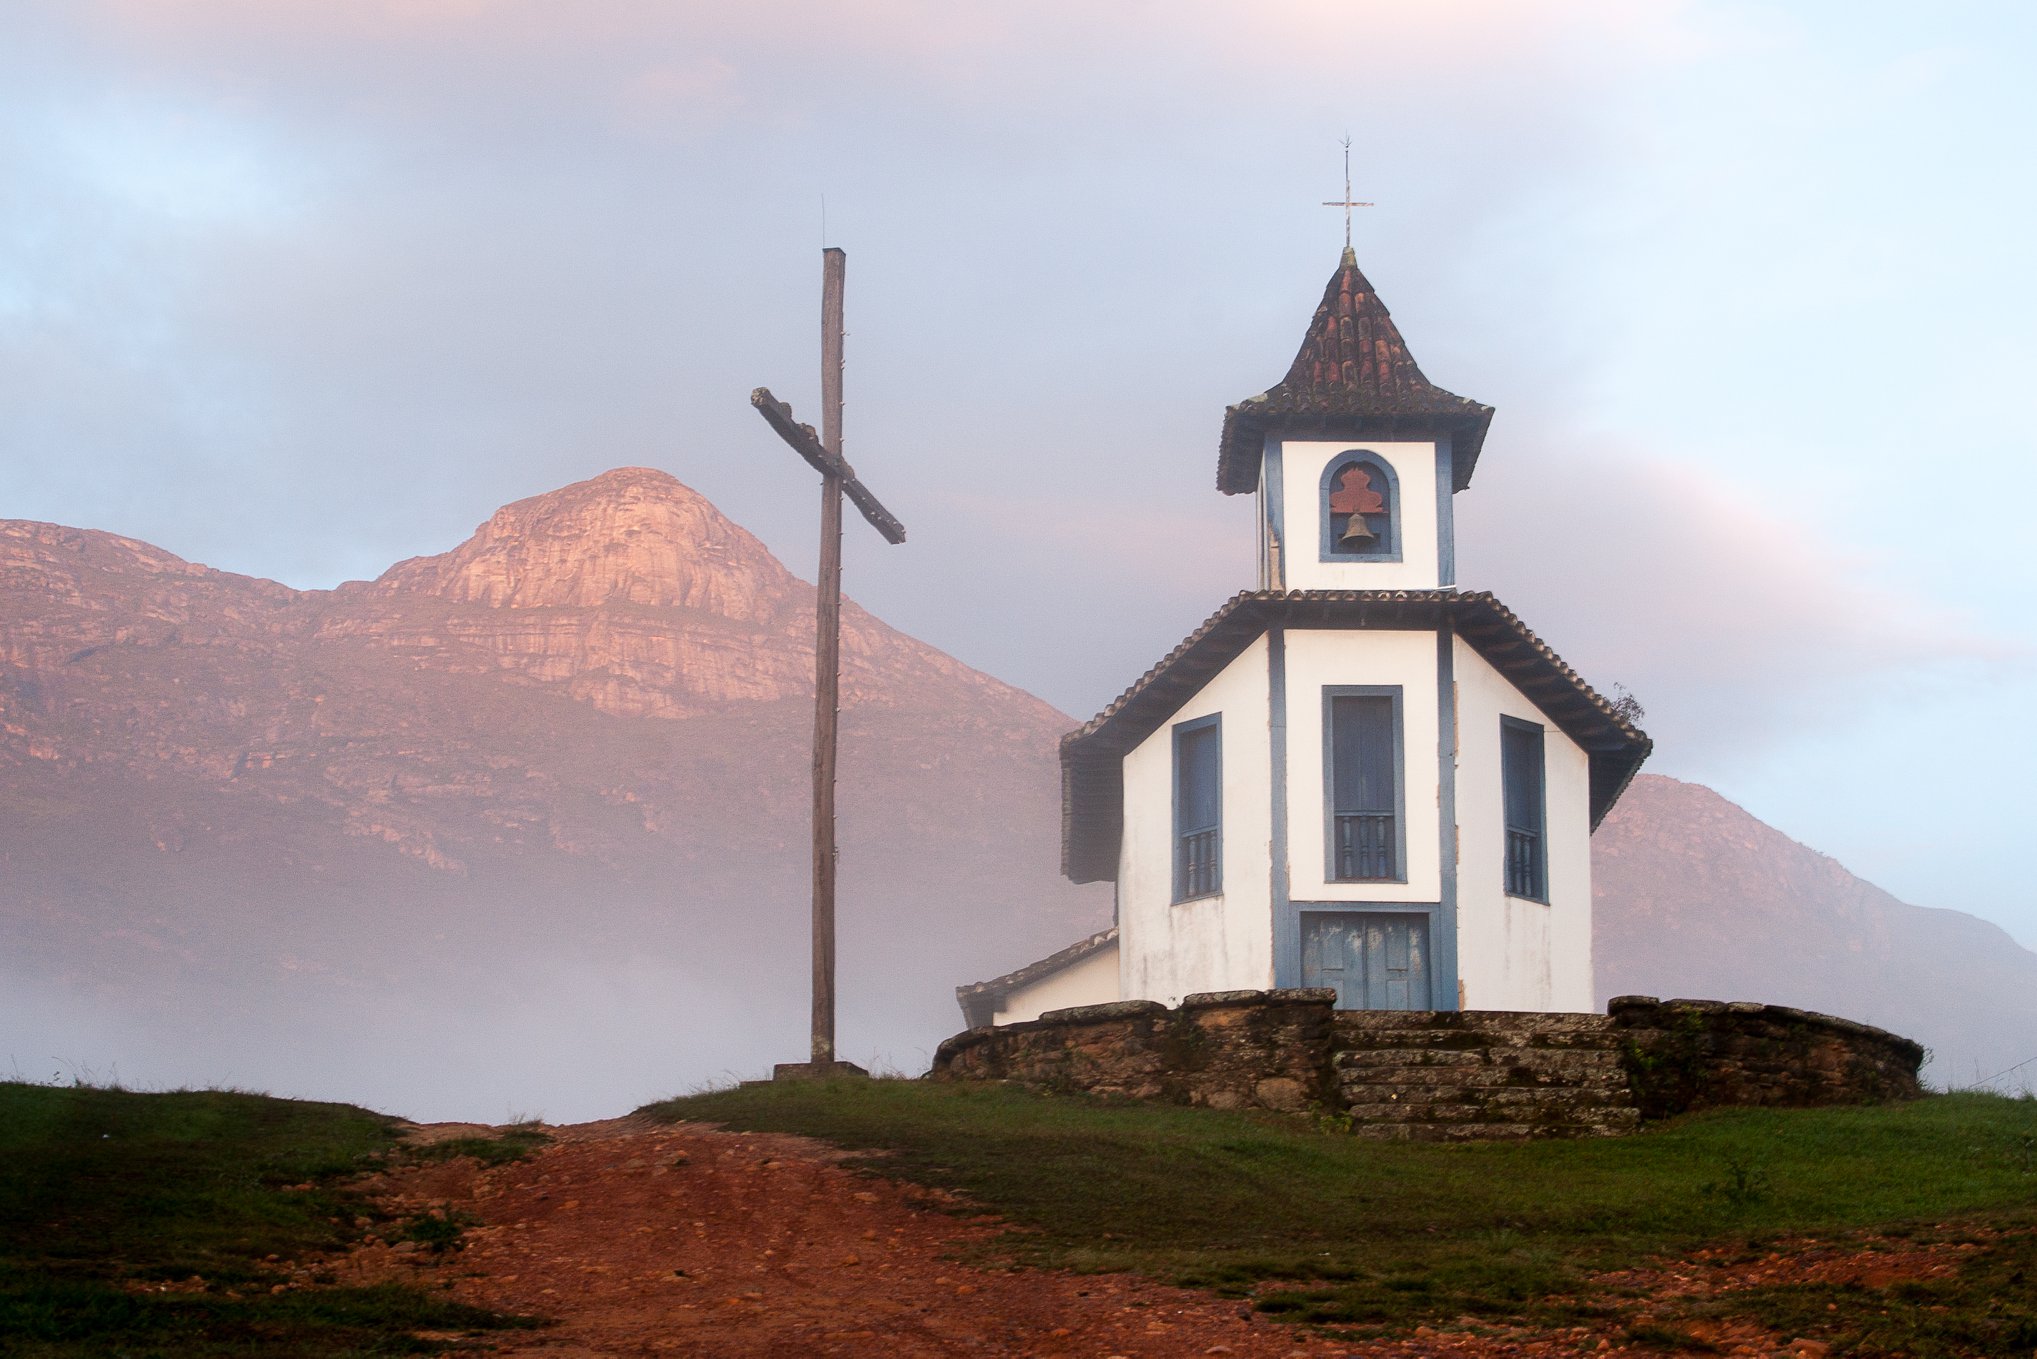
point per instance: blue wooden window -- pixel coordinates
(1523, 787)
(1360, 508)
(1363, 740)
(1198, 808)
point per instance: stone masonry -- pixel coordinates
(1435, 1075)
(1220, 1050)
(1442, 1075)
(1701, 1054)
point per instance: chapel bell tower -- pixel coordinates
(1355, 455)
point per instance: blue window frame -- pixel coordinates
(1353, 476)
(1198, 808)
(1365, 801)
(1523, 784)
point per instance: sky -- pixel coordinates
(301, 289)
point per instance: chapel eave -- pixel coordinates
(1092, 757)
(1247, 424)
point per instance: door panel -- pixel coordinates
(1375, 962)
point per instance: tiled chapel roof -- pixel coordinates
(1353, 376)
(1092, 757)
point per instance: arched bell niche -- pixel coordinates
(1360, 503)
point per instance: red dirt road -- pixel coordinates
(641, 1238)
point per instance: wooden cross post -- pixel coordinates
(824, 453)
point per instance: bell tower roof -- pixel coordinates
(1353, 375)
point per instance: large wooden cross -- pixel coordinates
(824, 453)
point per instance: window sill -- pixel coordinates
(1516, 896)
(1201, 896)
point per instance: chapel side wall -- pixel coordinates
(1092, 981)
(1515, 954)
(1320, 659)
(1170, 949)
(1303, 462)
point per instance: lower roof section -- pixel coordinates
(1092, 757)
(982, 1000)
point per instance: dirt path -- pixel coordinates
(643, 1238)
(653, 1239)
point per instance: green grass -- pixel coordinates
(513, 1143)
(1370, 1237)
(1989, 1307)
(109, 1195)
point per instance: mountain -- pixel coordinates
(540, 800)
(522, 829)
(1695, 897)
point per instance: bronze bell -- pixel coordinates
(1357, 534)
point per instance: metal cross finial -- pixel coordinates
(1349, 202)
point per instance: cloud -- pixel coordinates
(1730, 618)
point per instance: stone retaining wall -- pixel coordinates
(1437, 1075)
(1700, 1054)
(1221, 1049)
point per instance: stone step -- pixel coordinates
(1566, 1062)
(1479, 1078)
(1469, 1040)
(1493, 1022)
(1557, 1103)
(1494, 1132)
(1355, 1058)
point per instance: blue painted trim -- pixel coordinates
(1541, 802)
(1442, 978)
(1443, 940)
(1174, 846)
(1400, 781)
(1274, 528)
(1286, 942)
(1389, 548)
(1446, 516)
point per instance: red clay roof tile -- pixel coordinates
(1353, 375)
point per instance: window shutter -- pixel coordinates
(1521, 782)
(1362, 753)
(1364, 789)
(1201, 776)
(1198, 810)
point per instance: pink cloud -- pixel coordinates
(1730, 617)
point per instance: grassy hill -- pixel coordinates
(194, 1223)
(207, 1223)
(1370, 1238)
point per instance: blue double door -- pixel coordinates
(1374, 961)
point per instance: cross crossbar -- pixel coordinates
(807, 444)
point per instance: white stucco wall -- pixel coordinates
(1092, 981)
(1170, 949)
(1316, 659)
(1515, 954)
(1302, 463)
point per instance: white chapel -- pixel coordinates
(1357, 775)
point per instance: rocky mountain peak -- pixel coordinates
(631, 536)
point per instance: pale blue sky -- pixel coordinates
(301, 289)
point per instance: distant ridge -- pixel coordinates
(524, 820)
(524, 823)
(1696, 897)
